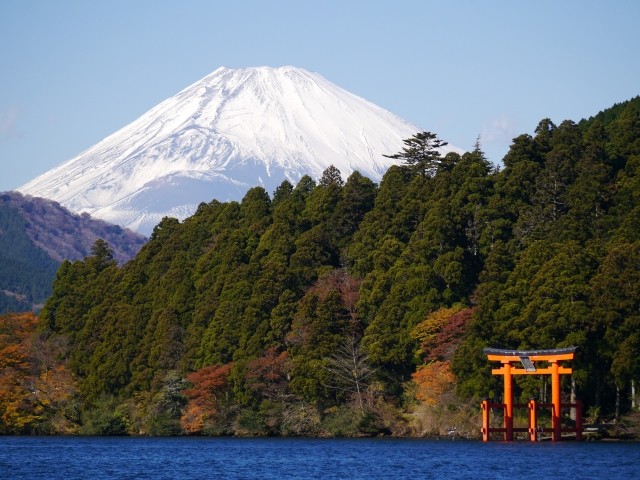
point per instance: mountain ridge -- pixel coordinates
(36, 235)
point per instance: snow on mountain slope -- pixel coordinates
(232, 130)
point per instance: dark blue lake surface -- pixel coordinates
(100, 457)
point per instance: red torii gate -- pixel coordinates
(528, 358)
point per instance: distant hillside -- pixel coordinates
(36, 235)
(25, 270)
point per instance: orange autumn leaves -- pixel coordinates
(433, 380)
(209, 386)
(34, 380)
(268, 376)
(15, 369)
(439, 336)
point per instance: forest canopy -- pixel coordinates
(231, 320)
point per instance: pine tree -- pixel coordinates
(331, 175)
(421, 153)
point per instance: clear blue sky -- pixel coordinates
(72, 73)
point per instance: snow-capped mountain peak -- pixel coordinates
(234, 129)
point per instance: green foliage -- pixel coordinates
(609, 115)
(561, 272)
(225, 285)
(107, 417)
(342, 421)
(546, 250)
(437, 267)
(252, 422)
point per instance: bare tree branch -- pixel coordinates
(350, 368)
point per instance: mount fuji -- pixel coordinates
(226, 133)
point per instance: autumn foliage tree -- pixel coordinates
(16, 406)
(439, 336)
(269, 375)
(346, 285)
(433, 381)
(441, 333)
(35, 385)
(210, 385)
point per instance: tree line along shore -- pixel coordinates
(345, 308)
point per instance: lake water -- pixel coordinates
(276, 458)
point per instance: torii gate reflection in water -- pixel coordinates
(528, 358)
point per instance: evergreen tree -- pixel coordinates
(421, 153)
(331, 176)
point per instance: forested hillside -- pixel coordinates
(26, 271)
(36, 234)
(351, 308)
